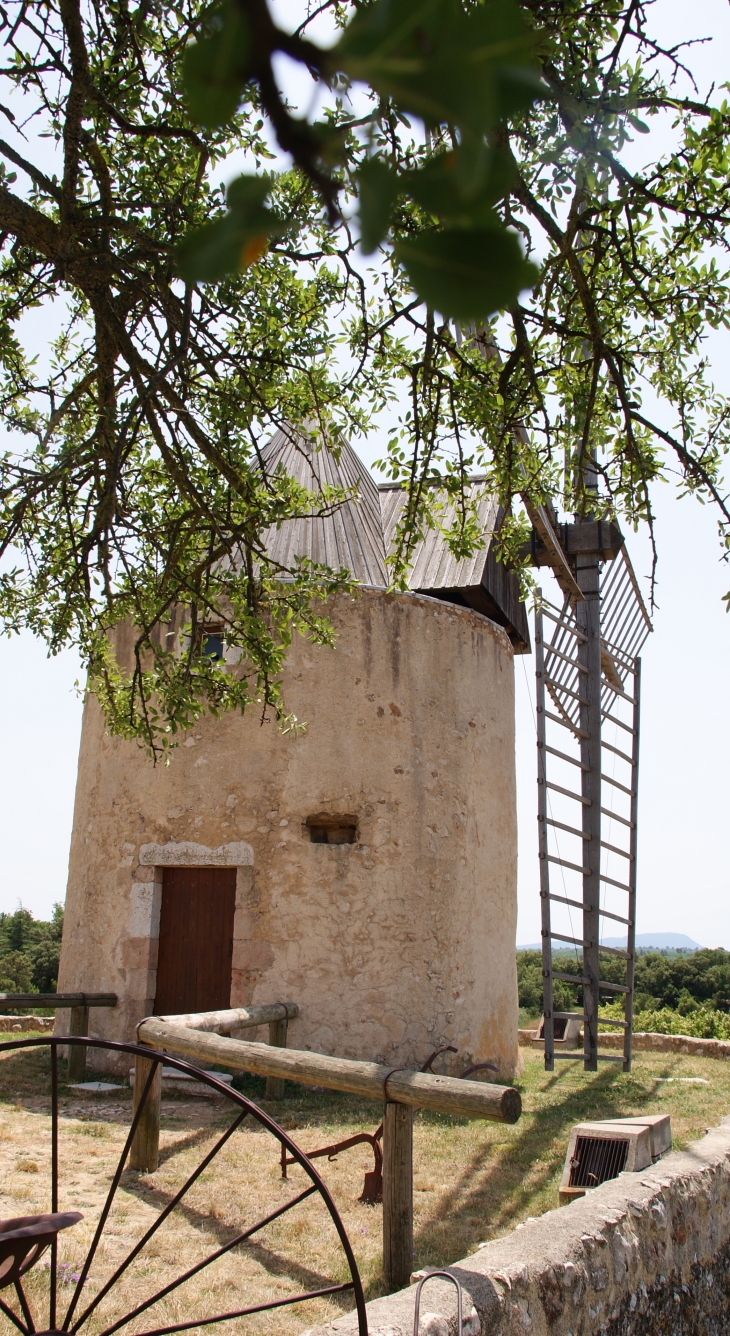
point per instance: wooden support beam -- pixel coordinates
(443, 1094)
(79, 1025)
(397, 1195)
(145, 1149)
(277, 1039)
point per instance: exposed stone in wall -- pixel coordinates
(647, 1254)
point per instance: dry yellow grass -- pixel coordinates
(473, 1181)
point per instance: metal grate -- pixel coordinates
(596, 1160)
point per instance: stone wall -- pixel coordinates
(646, 1254)
(646, 1041)
(391, 946)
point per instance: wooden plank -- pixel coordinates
(145, 1149)
(9, 1000)
(443, 1094)
(79, 1025)
(397, 1195)
(277, 1039)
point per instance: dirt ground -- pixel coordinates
(473, 1181)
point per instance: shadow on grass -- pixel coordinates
(273, 1262)
(495, 1189)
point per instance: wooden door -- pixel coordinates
(196, 939)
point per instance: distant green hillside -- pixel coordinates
(29, 952)
(682, 982)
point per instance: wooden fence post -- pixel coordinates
(79, 1024)
(397, 1195)
(145, 1150)
(277, 1038)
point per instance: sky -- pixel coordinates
(683, 867)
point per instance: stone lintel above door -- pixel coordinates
(188, 854)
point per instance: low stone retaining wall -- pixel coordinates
(670, 1043)
(646, 1254)
(9, 1023)
(646, 1041)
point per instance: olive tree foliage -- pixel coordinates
(633, 264)
(476, 169)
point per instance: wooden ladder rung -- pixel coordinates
(620, 884)
(564, 862)
(615, 850)
(572, 830)
(557, 788)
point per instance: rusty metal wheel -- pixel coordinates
(152, 1271)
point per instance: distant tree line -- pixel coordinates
(29, 951)
(683, 983)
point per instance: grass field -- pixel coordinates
(473, 1181)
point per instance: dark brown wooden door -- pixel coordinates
(196, 939)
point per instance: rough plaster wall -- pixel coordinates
(643, 1255)
(391, 946)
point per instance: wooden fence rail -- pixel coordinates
(274, 1014)
(400, 1089)
(79, 1003)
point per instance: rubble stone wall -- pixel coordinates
(647, 1254)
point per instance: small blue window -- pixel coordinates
(213, 645)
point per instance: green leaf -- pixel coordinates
(443, 63)
(215, 69)
(378, 189)
(237, 240)
(444, 189)
(641, 126)
(468, 273)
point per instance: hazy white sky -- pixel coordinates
(684, 874)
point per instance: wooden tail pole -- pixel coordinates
(403, 1090)
(421, 1090)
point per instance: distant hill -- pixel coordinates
(645, 941)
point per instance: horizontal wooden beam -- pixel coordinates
(422, 1090)
(596, 538)
(235, 1018)
(9, 1000)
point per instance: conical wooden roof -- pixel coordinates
(353, 535)
(360, 532)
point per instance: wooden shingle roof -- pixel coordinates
(353, 535)
(360, 533)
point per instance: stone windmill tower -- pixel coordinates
(365, 869)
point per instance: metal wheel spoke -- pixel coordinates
(200, 1266)
(24, 1306)
(110, 1198)
(160, 1220)
(75, 1319)
(7, 1310)
(244, 1312)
